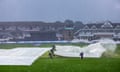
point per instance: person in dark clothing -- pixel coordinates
(81, 55)
(52, 52)
(50, 55)
(54, 48)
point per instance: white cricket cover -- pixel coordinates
(93, 50)
(20, 56)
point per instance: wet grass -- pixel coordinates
(59, 64)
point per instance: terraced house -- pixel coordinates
(33, 31)
(41, 31)
(96, 31)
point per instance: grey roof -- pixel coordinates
(98, 26)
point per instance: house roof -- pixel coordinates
(98, 26)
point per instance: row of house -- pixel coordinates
(40, 31)
(32, 31)
(96, 31)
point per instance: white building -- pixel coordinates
(97, 31)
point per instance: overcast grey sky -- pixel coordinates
(59, 10)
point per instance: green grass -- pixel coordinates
(68, 65)
(9, 46)
(62, 64)
(76, 65)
